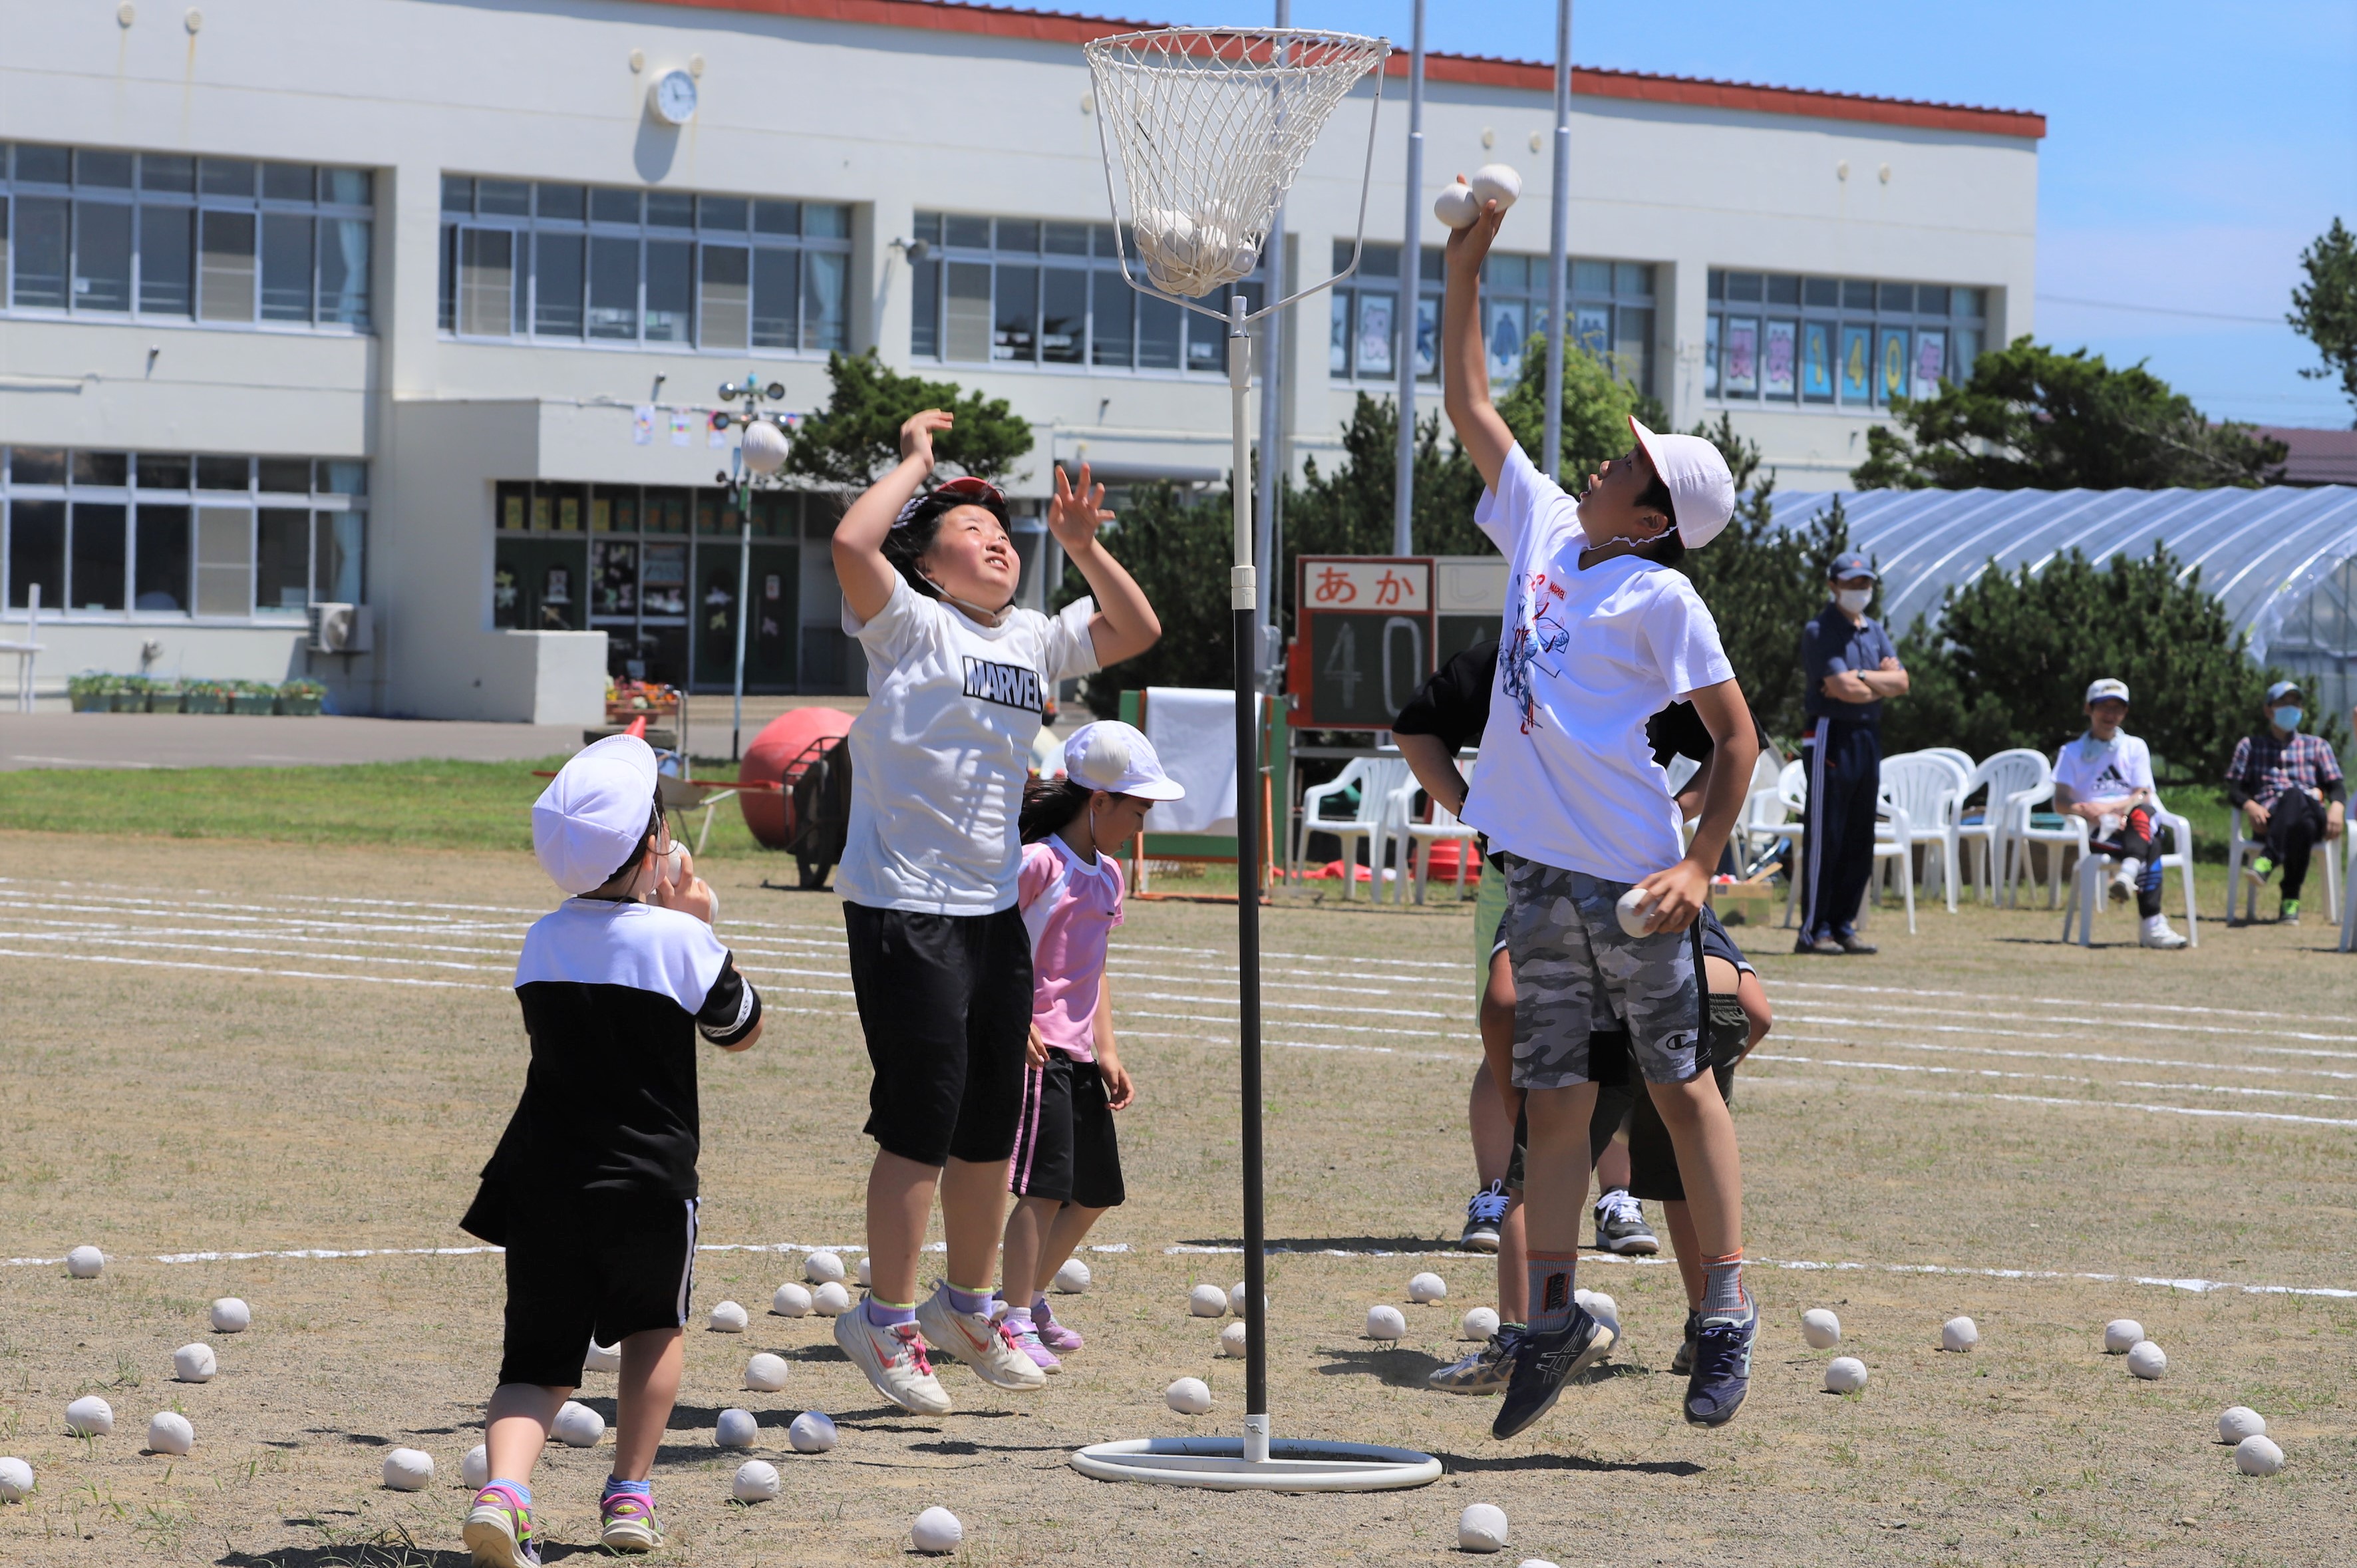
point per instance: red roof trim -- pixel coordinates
(1068, 28)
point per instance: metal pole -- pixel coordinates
(744, 591)
(1411, 285)
(1558, 238)
(1272, 435)
(1243, 599)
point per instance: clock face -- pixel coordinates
(674, 97)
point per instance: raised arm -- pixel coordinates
(1124, 625)
(1464, 369)
(860, 565)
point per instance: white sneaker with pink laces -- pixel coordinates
(894, 1360)
(988, 1348)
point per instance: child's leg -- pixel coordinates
(899, 1202)
(1612, 1167)
(1515, 1266)
(1686, 1249)
(1065, 1234)
(646, 1391)
(973, 1210)
(1555, 1190)
(1492, 1126)
(1703, 1132)
(1028, 1228)
(516, 1428)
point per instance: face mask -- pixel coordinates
(2288, 718)
(1853, 601)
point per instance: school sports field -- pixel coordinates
(211, 1049)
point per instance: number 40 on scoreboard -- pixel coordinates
(1363, 639)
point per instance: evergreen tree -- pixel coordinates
(856, 439)
(2324, 308)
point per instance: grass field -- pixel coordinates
(220, 1046)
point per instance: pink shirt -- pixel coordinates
(1071, 908)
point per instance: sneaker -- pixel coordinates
(1543, 1363)
(2124, 882)
(1722, 1368)
(1856, 946)
(2259, 870)
(1486, 1370)
(1620, 1225)
(1821, 947)
(988, 1348)
(1484, 1212)
(1032, 1343)
(1682, 1363)
(1054, 1335)
(628, 1523)
(2158, 933)
(894, 1360)
(499, 1530)
(2290, 916)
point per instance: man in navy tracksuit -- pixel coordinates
(1850, 667)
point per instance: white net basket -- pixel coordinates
(1211, 125)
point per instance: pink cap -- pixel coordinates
(1702, 492)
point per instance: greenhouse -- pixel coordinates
(2283, 560)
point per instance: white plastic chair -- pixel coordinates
(1765, 822)
(1377, 779)
(2022, 830)
(2348, 904)
(1894, 838)
(1929, 788)
(2019, 771)
(2240, 846)
(2094, 869)
(1414, 841)
(1962, 759)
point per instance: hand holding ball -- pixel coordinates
(409, 1469)
(1454, 205)
(1496, 182)
(1635, 909)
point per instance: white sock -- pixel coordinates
(1018, 1318)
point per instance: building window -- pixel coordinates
(1612, 314)
(155, 534)
(1836, 342)
(590, 263)
(164, 237)
(1018, 291)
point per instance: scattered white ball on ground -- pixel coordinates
(1820, 1329)
(602, 1357)
(1236, 1299)
(1537, 1563)
(576, 1425)
(755, 1482)
(736, 1429)
(1208, 1300)
(2259, 1455)
(2120, 1336)
(764, 445)
(936, 1531)
(866, 1273)
(1188, 1396)
(85, 1263)
(820, 1268)
(727, 1317)
(1454, 205)
(1599, 1306)
(195, 1363)
(475, 1470)
(2238, 1421)
(792, 1300)
(765, 1373)
(1845, 1375)
(1481, 1527)
(230, 1315)
(811, 1432)
(1235, 1340)
(16, 1480)
(831, 1300)
(2146, 1359)
(1500, 183)
(409, 1470)
(1635, 908)
(168, 1432)
(1479, 1324)
(1427, 1288)
(89, 1417)
(1072, 1278)
(1959, 1334)
(1385, 1323)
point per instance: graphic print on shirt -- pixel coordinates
(1009, 685)
(1537, 635)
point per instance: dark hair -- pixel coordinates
(909, 540)
(1049, 805)
(1667, 549)
(655, 826)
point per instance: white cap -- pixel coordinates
(1702, 492)
(1117, 758)
(2109, 686)
(594, 814)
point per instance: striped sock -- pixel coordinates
(1550, 1277)
(1722, 1291)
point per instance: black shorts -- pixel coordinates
(1624, 1101)
(1065, 1147)
(945, 1002)
(592, 1265)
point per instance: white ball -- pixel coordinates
(1208, 1300)
(1479, 1324)
(84, 1262)
(602, 1357)
(866, 1273)
(2238, 1421)
(1845, 1375)
(792, 1300)
(1385, 1322)
(764, 446)
(2146, 1359)
(755, 1482)
(2257, 1456)
(1500, 183)
(16, 1480)
(936, 1531)
(736, 1429)
(1188, 1396)
(765, 1373)
(409, 1470)
(168, 1432)
(1073, 1277)
(1537, 1563)
(576, 1425)
(2120, 1336)
(831, 1300)
(89, 1417)
(1635, 908)
(1959, 1334)
(820, 1267)
(1481, 1527)
(1427, 1288)
(727, 1317)
(1599, 1306)
(195, 1363)
(230, 1315)
(474, 1469)
(1237, 1299)
(1455, 205)
(811, 1432)
(1820, 1329)
(1235, 1340)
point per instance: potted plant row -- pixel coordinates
(96, 692)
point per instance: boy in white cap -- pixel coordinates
(592, 1189)
(1600, 633)
(2105, 776)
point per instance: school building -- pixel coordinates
(422, 305)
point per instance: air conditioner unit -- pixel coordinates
(339, 628)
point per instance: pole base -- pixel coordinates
(1218, 1464)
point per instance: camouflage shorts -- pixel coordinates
(1578, 975)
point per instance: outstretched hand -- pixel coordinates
(1468, 246)
(916, 433)
(1078, 511)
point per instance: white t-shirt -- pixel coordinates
(938, 759)
(1567, 777)
(2095, 770)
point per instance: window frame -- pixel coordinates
(1852, 314)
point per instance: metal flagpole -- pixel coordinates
(744, 590)
(1265, 490)
(1558, 238)
(1411, 285)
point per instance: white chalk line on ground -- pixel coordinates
(345, 1252)
(2043, 1077)
(2109, 1007)
(2012, 1054)
(1773, 1080)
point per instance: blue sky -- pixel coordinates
(2191, 150)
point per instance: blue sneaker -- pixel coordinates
(1543, 1363)
(1722, 1368)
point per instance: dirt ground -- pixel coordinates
(209, 1047)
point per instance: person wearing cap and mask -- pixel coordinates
(1849, 669)
(2105, 776)
(1602, 632)
(2289, 785)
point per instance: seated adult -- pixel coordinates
(2290, 786)
(2105, 776)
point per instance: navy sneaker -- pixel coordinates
(1543, 1364)
(1722, 1368)
(1682, 1363)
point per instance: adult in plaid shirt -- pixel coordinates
(2290, 786)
